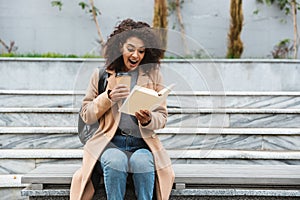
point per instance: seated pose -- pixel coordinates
(125, 144)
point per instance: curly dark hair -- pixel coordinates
(130, 28)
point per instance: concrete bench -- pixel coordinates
(192, 181)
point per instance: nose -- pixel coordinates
(135, 54)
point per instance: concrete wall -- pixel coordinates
(190, 75)
(36, 26)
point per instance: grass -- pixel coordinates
(48, 55)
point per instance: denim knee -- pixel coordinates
(141, 161)
(114, 159)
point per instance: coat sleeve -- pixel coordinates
(94, 105)
(159, 115)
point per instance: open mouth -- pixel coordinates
(133, 62)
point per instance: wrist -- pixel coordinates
(145, 124)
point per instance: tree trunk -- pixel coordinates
(296, 36)
(101, 40)
(160, 20)
(235, 44)
(182, 31)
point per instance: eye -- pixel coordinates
(142, 51)
(130, 49)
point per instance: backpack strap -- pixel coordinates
(102, 83)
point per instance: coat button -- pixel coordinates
(153, 135)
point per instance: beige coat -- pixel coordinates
(95, 107)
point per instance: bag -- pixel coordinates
(86, 131)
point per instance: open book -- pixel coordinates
(141, 98)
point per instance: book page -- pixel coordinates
(142, 98)
(166, 90)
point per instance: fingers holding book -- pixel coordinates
(144, 117)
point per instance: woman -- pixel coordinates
(123, 143)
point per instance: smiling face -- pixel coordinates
(133, 51)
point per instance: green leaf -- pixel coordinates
(83, 5)
(287, 10)
(97, 11)
(58, 4)
(255, 12)
(269, 2)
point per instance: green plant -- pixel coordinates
(93, 11)
(48, 55)
(176, 5)
(288, 6)
(11, 48)
(284, 5)
(283, 49)
(58, 4)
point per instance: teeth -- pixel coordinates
(133, 62)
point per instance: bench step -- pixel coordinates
(170, 110)
(193, 194)
(11, 181)
(51, 174)
(233, 118)
(198, 180)
(173, 93)
(174, 154)
(167, 131)
(269, 139)
(184, 99)
(237, 174)
(196, 174)
(170, 141)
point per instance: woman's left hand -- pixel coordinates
(144, 117)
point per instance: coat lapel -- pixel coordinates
(143, 78)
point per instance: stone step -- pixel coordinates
(22, 165)
(174, 154)
(17, 161)
(11, 181)
(253, 118)
(225, 142)
(164, 131)
(11, 186)
(193, 177)
(170, 110)
(20, 161)
(172, 138)
(39, 98)
(177, 99)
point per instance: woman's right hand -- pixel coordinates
(119, 92)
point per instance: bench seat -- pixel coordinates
(191, 181)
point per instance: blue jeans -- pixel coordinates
(116, 163)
